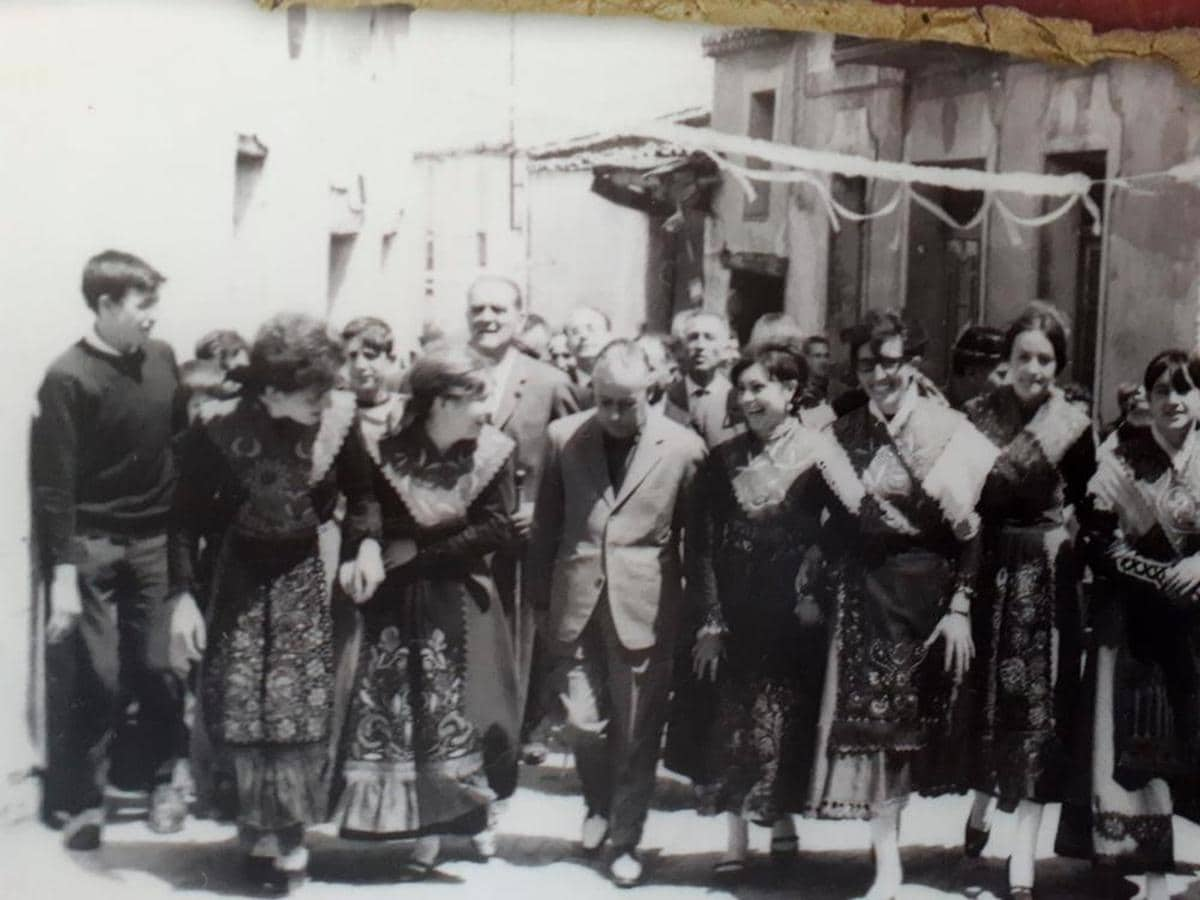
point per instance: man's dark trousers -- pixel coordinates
(103, 664)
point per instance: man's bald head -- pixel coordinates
(620, 382)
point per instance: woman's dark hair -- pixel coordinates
(374, 333)
(781, 360)
(1044, 317)
(439, 372)
(221, 346)
(1184, 369)
(293, 352)
(876, 327)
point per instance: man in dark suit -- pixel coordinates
(704, 390)
(527, 396)
(607, 560)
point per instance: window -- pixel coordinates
(481, 249)
(387, 245)
(247, 171)
(762, 127)
(944, 289)
(341, 248)
(297, 23)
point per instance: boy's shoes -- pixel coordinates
(83, 831)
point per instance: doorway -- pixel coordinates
(944, 270)
(1069, 264)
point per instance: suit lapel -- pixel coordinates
(592, 449)
(512, 391)
(645, 458)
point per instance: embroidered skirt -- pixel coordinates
(431, 733)
(267, 682)
(1140, 748)
(885, 722)
(1025, 679)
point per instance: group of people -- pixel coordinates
(373, 591)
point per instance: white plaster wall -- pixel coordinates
(118, 128)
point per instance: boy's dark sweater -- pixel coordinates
(102, 458)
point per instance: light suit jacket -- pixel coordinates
(589, 538)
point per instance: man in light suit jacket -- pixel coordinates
(704, 390)
(607, 560)
(527, 396)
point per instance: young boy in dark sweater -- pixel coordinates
(103, 478)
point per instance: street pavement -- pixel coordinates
(539, 856)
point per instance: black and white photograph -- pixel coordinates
(479, 454)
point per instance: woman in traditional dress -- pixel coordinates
(903, 589)
(431, 735)
(766, 490)
(1024, 684)
(1141, 524)
(266, 477)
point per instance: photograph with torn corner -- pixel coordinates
(497, 453)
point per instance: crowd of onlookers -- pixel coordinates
(297, 580)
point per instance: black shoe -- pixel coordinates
(974, 840)
(83, 831)
(534, 753)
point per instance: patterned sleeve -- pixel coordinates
(355, 477)
(201, 497)
(1111, 515)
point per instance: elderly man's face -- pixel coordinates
(706, 339)
(560, 353)
(493, 316)
(587, 333)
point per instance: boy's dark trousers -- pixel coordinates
(103, 665)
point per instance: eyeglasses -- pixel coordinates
(865, 365)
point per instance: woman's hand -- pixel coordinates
(955, 628)
(706, 654)
(1182, 579)
(807, 610)
(188, 634)
(368, 572)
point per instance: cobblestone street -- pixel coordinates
(540, 856)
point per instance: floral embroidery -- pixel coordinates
(271, 681)
(396, 723)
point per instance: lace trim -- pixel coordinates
(1057, 425)
(433, 504)
(956, 478)
(1169, 501)
(762, 484)
(335, 425)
